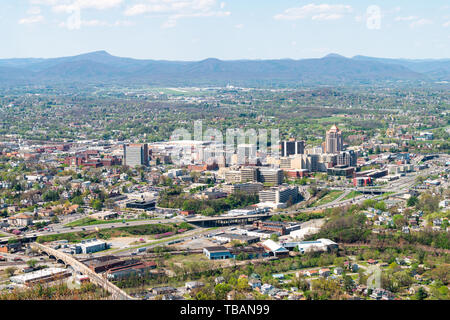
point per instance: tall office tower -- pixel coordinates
(292, 147)
(333, 141)
(347, 158)
(135, 155)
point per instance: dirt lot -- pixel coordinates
(198, 243)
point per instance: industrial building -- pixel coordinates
(138, 268)
(91, 246)
(311, 246)
(228, 237)
(274, 248)
(217, 252)
(282, 228)
(102, 264)
(43, 275)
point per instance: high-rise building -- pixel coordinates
(291, 148)
(334, 142)
(347, 158)
(135, 155)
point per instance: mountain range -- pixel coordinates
(102, 67)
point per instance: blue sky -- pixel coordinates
(225, 29)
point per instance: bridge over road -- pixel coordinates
(116, 292)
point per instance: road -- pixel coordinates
(399, 186)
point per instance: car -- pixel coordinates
(84, 229)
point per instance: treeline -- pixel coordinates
(427, 237)
(208, 207)
(87, 291)
(344, 227)
(302, 216)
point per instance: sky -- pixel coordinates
(225, 29)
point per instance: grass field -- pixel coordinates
(149, 229)
(88, 221)
(329, 197)
(352, 195)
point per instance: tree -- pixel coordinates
(242, 284)
(96, 204)
(348, 283)
(10, 271)
(399, 220)
(421, 294)
(274, 237)
(221, 290)
(412, 201)
(31, 263)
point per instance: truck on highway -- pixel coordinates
(139, 250)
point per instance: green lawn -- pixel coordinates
(132, 231)
(330, 196)
(352, 195)
(88, 221)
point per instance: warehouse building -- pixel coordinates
(311, 246)
(217, 253)
(228, 237)
(139, 269)
(274, 248)
(91, 246)
(40, 276)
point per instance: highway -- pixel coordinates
(398, 186)
(59, 229)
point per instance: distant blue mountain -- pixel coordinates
(102, 67)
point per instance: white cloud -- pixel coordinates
(32, 19)
(34, 11)
(420, 23)
(327, 16)
(409, 18)
(414, 21)
(95, 23)
(315, 12)
(177, 9)
(34, 16)
(69, 6)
